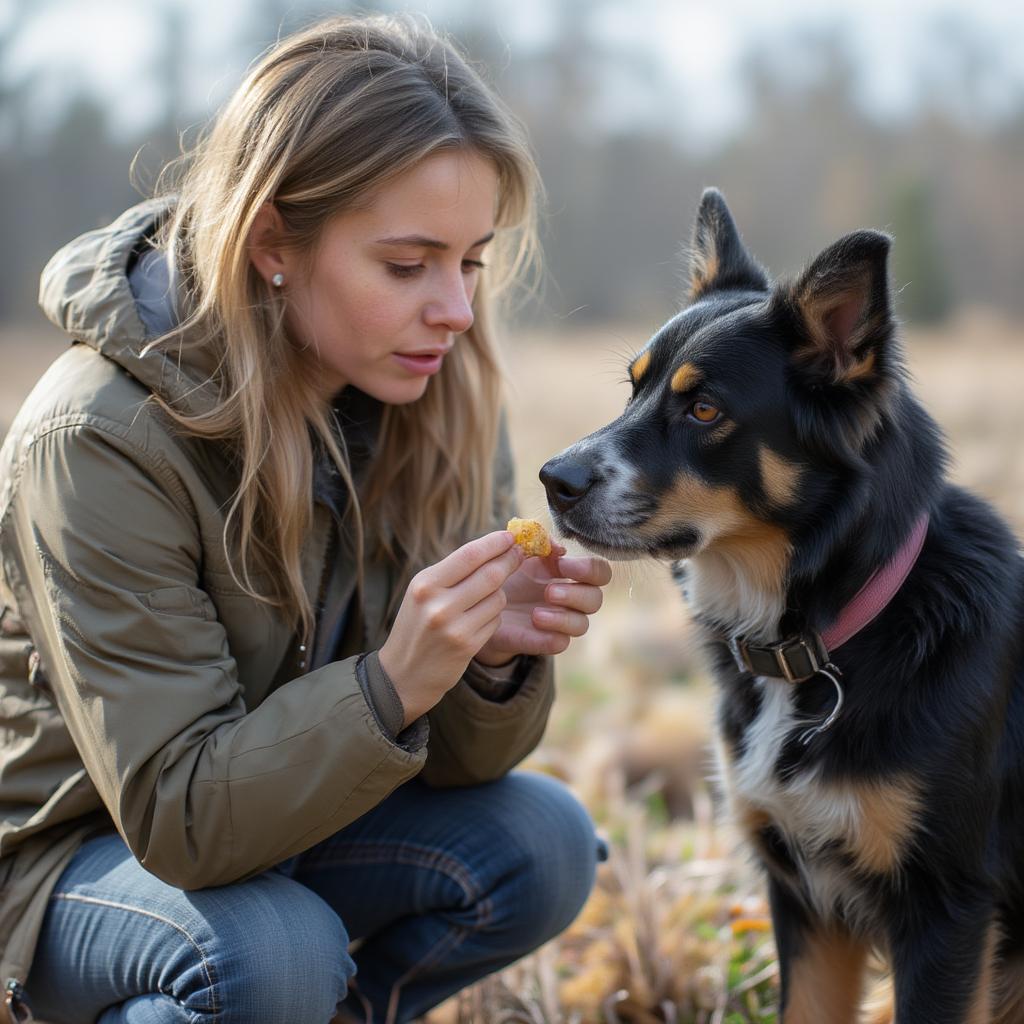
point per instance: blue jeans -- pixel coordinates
(442, 886)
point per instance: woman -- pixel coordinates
(268, 656)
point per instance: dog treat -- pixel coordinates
(530, 536)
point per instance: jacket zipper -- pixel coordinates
(307, 650)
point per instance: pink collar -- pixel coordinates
(799, 657)
(879, 590)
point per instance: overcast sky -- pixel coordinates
(111, 44)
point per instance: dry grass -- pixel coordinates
(677, 929)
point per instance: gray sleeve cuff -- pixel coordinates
(499, 683)
(386, 705)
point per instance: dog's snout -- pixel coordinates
(566, 480)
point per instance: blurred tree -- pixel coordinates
(923, 288)
(69, 180)
(807, 165)
(803, 170)
(615, 215)
(170, 135)
(13, 131)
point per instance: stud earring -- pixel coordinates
(277, 280)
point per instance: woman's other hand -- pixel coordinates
(549, 601)
(449, 613)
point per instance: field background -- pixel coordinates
(677, 929)
(814, 120)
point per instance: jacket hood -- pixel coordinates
(87, 291)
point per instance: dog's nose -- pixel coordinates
(566, 481)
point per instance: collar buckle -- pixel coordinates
(794, 659)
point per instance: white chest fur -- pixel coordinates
(753, 776)
(812, 816)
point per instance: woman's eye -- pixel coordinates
(404, 270)
(704, 412)
(468, 266)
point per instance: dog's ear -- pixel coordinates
(718, 258)
(843, 310)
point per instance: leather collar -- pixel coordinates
(799, 657)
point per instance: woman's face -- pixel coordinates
(391, 285)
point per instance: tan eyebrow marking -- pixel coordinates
(639, 367)
(685, 378)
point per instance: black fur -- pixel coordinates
(820, 464)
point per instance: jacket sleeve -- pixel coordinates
(472, 738)
(102, 549)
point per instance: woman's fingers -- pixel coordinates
(486, 579)
(480, 614)
(561, 620)
(532, 640)
(588, 569)
(579, 596)
(547, 604)
(464, 561)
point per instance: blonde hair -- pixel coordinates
(326, 117)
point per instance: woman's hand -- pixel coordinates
(549, 601)
(449, 613)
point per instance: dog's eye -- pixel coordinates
(703, 412)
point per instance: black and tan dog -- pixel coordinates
(864, 617)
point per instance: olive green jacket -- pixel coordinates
(140, 688)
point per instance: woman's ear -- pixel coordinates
(266, 252)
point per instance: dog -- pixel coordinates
(863, 617)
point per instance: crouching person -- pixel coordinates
(268, 653)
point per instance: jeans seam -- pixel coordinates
(207, 964)
(405, 853)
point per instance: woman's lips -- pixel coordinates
(424, 364)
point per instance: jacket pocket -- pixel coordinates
(180, 600)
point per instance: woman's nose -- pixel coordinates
(452, 307)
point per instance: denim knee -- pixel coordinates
(281, 956)
(558, 853)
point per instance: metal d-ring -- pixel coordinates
(832, 672)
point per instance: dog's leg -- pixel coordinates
(821, 966)
(945, 970)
